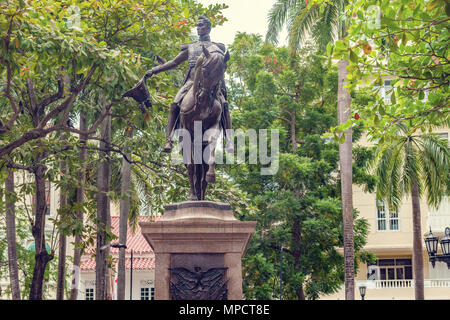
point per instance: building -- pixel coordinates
(143, 272)
(390, 239)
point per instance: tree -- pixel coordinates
(413, 164)
(11, 235)
(298, 213)
(123, 223)
(78, 219)
(62, 237)
(53, 53)
(324, 21)
(406, 43)
(103, 212)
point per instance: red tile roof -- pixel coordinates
(138, 264)
(135, 242)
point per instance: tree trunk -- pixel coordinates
(61, 282)
(123, 225)
(417, 244)
(102, 251)
(297, 254)
(296, 227)
(293, 138)
(79, 214)
(345, 162)
(42, 257)
(11, 236)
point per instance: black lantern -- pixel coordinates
(431, 243)
(362, 291)
(445, 242)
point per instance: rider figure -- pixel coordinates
(191, 52)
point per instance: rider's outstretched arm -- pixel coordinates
(181, 57)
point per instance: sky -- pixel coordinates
(244, 16)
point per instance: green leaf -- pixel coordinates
(342, 138)
(393, 101)
(353, 57)
(330, 48)
(421, 95)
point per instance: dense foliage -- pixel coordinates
(299, 218)
(405, 42)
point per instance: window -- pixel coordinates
(89, 294)
(395, 269)
(145, 293)
(386, 220)
(385, 91)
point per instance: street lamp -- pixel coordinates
(362, 291)
(119, 245)
(431, 243)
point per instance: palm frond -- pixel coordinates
(389, 159)
(409, 159)
(277, 17)
(325, 30)
(301, 25)
(436, 164)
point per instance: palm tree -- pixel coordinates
(323, 23)
(80, 190)
(103, 212)
(61, 282)
(123, 220)
(413, 164)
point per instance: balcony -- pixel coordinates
(435, 289)
(397, 284)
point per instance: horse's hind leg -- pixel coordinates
(198, 181)
(211, 136)
(191, 172)
(204, 182)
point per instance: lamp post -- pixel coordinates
(120, 246)
(431, 243)
(362, 291)
(131, 275)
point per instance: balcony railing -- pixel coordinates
(397, 284)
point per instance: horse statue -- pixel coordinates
(203, 104)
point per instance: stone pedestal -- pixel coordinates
(199, 236)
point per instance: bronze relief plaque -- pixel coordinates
(198, 276)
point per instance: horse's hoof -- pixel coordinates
(192, 198)
(210, 178)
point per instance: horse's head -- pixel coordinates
(210, 68)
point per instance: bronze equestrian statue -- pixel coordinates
(202, 97)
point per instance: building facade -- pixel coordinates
(390, 238)
(138, 255)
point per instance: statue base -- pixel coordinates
(198, 249)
